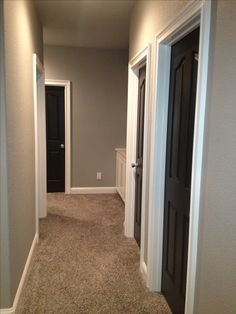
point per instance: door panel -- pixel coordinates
(55, 127)
(183, 78)
(139, 155)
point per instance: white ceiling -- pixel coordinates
(86, 23)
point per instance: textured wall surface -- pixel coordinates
(23, 37)
(99, 101)
(5, 298)
(216, 280)
(148, 18)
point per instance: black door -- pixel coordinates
(55, 127)
(139, 155)
(183, 78)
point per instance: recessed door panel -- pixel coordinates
(176, 122)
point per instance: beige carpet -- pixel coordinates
(84, 264)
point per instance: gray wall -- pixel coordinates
(216, 280)
(4, 215)
(23, 37)
(216, 284)
(99, 101)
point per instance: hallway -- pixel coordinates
(84, 264)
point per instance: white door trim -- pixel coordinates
(40, 145)
(66, 85)
(195, 14)
(135, 64)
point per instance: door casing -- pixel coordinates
(195, 14)
(40, 143)
(133, 80)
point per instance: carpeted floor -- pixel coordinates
(84, 264)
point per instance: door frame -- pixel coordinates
(143, 57)
(40, 145)
(66, 85)
(195, 14)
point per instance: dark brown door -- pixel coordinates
(55, 127)
(139, 155)
(183, 78)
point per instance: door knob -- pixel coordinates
(134, 165)
(62, 146)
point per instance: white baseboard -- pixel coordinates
(12, 309)
(93, 190)
(143, 269)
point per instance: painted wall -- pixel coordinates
(23, 37)
(216, 279)
(4, 215)
(147, 20)
(99, 102)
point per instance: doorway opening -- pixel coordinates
(58, 135)
(196, 14)
(136, 189)
(180, 126)
(138, 165)
(55, 133)
(40, 138)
